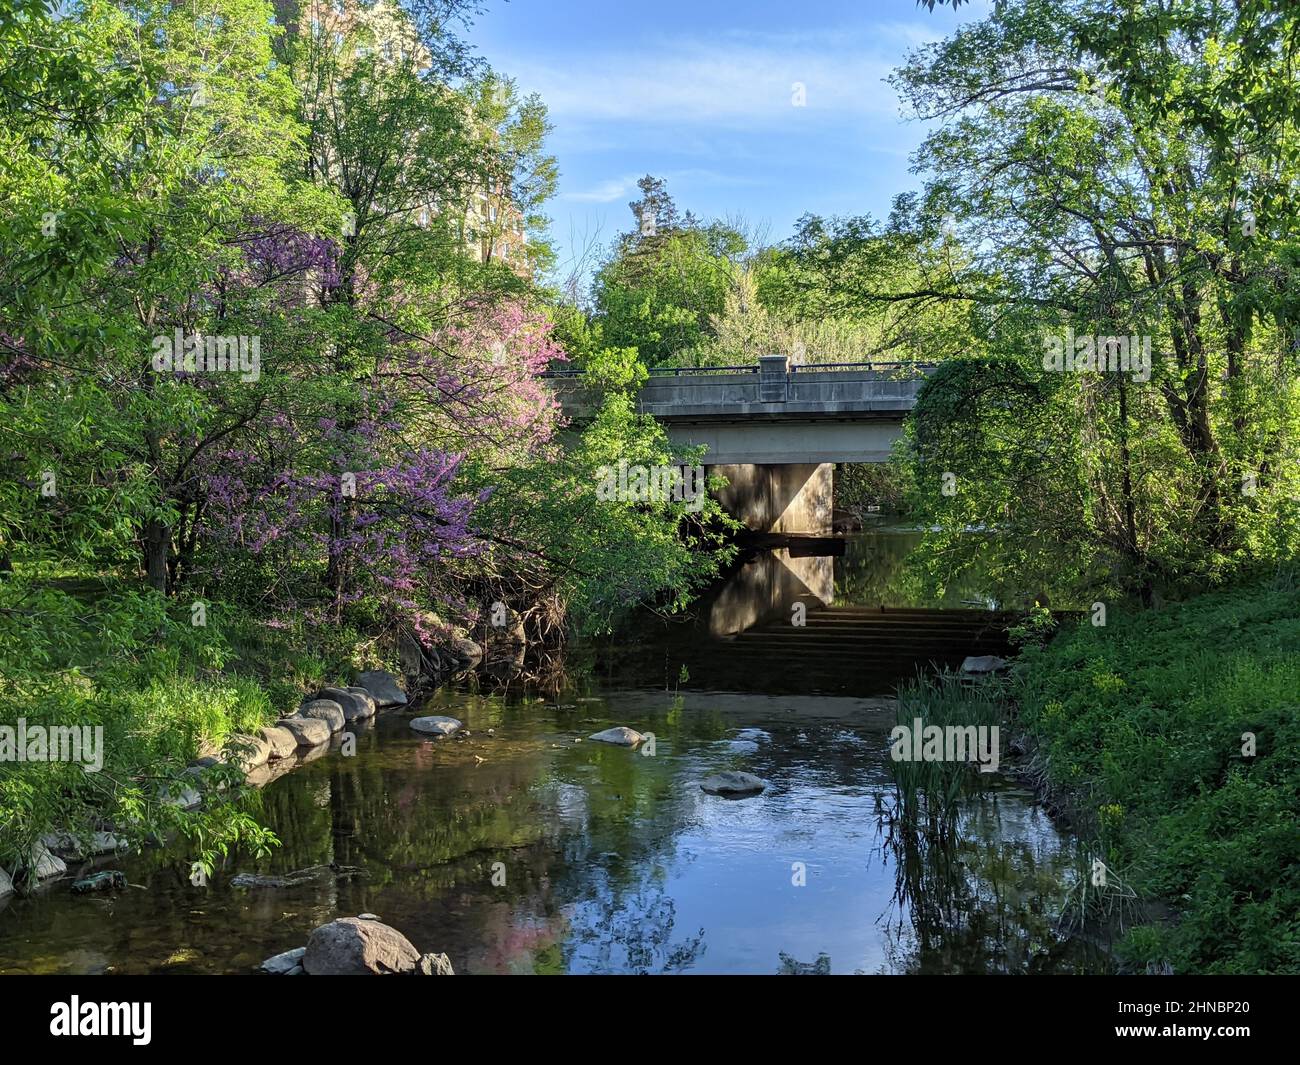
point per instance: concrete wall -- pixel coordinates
(799, 442)
(782, 498)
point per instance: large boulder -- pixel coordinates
(352, 947)
(328, 710)
(621, 736)
(354, 704)
(369, 706)
(434, 965)
(248, 752)
(733, 784)
(6, 884)
(308, 731)
(283, 964)
(383, 687)
(436, 725)
(281, 741)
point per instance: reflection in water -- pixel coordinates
(765, 586)
(533, 850)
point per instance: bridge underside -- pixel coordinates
(787, 441)
(781, 472)
(779, 499)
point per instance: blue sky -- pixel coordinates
(700, 93)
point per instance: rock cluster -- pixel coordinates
(357, 946)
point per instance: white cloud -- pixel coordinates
(605, 192)
(617, 188)
(742, 80)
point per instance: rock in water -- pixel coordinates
(369, 706)
(248, 752)
(281, 741)
(43, 864)
(383, 688)
(978, 664)
(328, 710)
(352, 947)
(308, 731)
(283, 964)
(621, 735)
(733, 784)
(108, 880)
(355, 706)
(434, 965)
(436, 725)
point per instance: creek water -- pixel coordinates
(524, 847)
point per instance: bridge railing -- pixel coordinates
(811, 367)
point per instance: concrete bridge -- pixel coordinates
(774, 430)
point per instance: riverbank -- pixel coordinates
(1171, 737)
(113, 695)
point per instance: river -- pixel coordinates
(523, 847)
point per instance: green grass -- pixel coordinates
(1140, 725)
(162, 689)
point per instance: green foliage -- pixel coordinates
(1117, 173)
(129, 662)
(1143, 724)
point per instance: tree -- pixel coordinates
(1097, 199)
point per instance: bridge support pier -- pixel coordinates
(795, 498)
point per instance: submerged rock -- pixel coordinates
(352, 947)
(284, 964)
(108, 880)
(436, 725)
(620, 735)
(733, 784)
(383, 687)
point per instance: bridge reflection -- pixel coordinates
(801, 618)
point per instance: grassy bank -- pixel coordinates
(104, 655)
(1144, 729)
